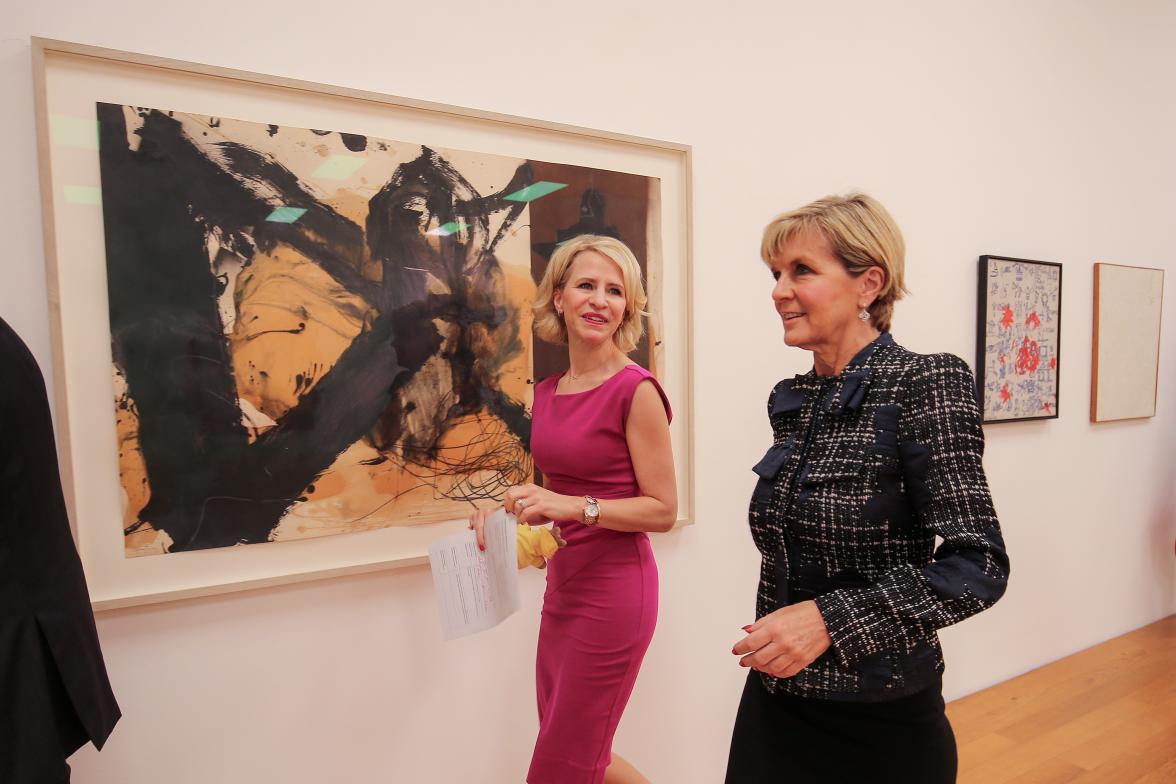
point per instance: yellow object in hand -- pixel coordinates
(537, 544)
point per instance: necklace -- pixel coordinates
(589, 379)
(584, 374)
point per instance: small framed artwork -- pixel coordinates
(1018, 333)
(1125, 367)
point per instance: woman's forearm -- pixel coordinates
(643, 513)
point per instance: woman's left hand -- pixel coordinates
(534, 505)
(784, 642)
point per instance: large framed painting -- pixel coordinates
(1018, 334)
(1125, 368)
(292, 321)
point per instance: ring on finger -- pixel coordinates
(521, 504)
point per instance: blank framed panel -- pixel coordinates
(1128, 302)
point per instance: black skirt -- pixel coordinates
(784, 738)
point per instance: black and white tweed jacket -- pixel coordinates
(866, 469)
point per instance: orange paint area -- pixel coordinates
(1006, 319)
(292, 322)
(1028, 357)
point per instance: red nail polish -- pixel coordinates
(482, 547)
(734, 651)
(747, 628)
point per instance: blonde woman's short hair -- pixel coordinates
(550, 326)
(862, 235)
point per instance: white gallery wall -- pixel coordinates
(1042, 130)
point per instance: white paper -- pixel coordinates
(476, 590)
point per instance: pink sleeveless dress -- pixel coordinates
(600, 606)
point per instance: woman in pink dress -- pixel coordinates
(600, 436)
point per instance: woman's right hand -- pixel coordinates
(478, 525)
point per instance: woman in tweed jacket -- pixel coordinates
(875, 453)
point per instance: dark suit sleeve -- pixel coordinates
(54, 691)
(941, 445)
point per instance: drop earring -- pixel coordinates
(864, 315)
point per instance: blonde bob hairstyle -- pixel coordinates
(550, 326)
(862, 235)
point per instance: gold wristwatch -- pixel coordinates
(591, 511)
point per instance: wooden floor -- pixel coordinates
(1106, 714)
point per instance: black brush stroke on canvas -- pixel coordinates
(209, 485)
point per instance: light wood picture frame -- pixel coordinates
(71, 80)
(1125, 366)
